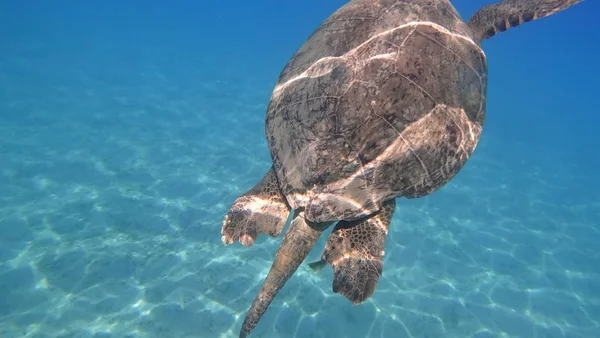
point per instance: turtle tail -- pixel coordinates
(500, 16)
(297, 242)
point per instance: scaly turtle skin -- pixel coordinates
(386, 99)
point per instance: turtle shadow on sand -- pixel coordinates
(386, 99)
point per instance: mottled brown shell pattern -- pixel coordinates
(375, 109)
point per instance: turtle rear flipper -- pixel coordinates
(355, 251)
(262, 209)
(500, 16)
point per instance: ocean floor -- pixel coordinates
(114, 185)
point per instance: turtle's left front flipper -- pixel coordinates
(355, 251)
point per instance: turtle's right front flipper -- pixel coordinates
(262, 209)
(355, 251)
(500, 16)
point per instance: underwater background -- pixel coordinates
(127, 129)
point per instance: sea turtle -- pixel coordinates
(386, 99)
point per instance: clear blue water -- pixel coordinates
(126, 131)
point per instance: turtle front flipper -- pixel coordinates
(500, 16)
(262, 209)
(297, 242)
(355, 251)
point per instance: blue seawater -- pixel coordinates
(127, 129)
